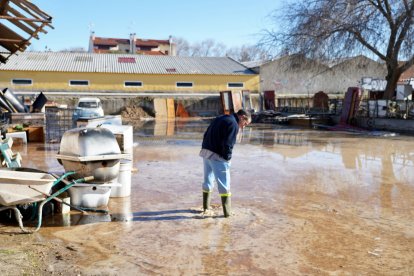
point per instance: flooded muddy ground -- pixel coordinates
(305, 202)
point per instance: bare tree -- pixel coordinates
(207, 48)
(339, 28)
(219, 50)
(247, 53)
(211, 48)
(182, 46)
(195, 50)
(74, 50)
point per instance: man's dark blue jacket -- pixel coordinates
(220, 136)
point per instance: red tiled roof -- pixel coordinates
(150, 42)
(101, 51)
(407, 74)
(150, 53)
(109, 41)
(139, 52)
(139, 42)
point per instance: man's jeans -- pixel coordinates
(219, 171)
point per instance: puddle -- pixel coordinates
(304, 202)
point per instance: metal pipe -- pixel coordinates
(13, 100)
(4, 104)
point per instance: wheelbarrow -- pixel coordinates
(26, 187)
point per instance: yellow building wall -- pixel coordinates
(59, 81)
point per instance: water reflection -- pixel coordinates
(119, 210)
(332, 161)
(328, 157)
(270, 137)
(353, 151)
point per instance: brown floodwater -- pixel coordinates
(305, 202)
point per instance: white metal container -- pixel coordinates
(124, 137)
(124, 180)
(90, 196)
(90, 152)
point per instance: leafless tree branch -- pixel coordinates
(328, 29)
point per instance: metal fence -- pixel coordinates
(397, 109)
(334, 106)
(58, 120)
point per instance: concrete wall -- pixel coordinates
(111, 82)
(291, 75)
(195, 106)
(397, 125)
(299, 76)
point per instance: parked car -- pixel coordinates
(88, 108)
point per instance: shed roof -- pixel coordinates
(123, 63)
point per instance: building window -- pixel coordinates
(184, 84)
(22, 81)
(235, 85)
(78, 83)
(133, 83)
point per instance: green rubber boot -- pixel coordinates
(226, 202)
(206, 200)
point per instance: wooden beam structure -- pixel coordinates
(20, 21)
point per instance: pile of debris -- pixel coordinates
(10, 103)
(132, 113)
(269, 117)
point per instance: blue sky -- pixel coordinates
(231, 22)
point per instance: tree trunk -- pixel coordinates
(392, 78)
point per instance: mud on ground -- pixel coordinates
(304, 203)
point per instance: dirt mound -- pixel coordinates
(134, 113)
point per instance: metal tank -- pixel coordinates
(90, 152)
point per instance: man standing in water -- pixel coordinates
(216, 151)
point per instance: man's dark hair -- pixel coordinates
(244, 113)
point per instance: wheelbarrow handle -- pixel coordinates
(58, 200)
(88, 178)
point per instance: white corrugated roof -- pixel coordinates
(123, 63)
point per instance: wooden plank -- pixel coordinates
(32, 10)
(31, 24)
(20, 18)
(247, 102)
(10, 40)
(170, 127)
(5, 32)
(269, 100)
(35, 134)
(160, 106)
(225, 97)
(23, 27)
(170, 109)
(236, 98)
(4, 6)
